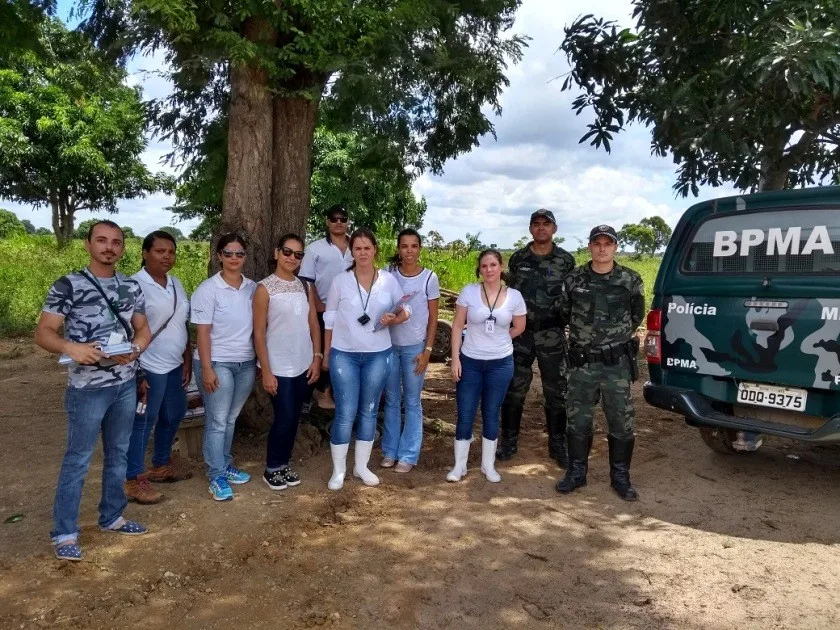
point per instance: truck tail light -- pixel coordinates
(653, 339)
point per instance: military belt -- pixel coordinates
(609, 354)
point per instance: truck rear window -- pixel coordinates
(771, 241)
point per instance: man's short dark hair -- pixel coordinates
(106, 222)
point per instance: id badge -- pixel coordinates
(115, 338)
(490, 325)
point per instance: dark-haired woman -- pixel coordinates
(166, 369)
(483, 365)
(224, 360)
(412, 343)
(361, 304)
(287, 339)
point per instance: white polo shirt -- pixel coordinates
(229, 311)
(322, 263)
(166, 352)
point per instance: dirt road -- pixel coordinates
(715, 542)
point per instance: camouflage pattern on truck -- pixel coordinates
(792, 342)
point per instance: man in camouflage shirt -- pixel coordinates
(96, 306)
(604, 304)
(537, 271)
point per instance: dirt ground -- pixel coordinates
(714, 542)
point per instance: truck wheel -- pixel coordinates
(720, 440)
(443, 340)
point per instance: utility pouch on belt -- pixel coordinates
(633, 353)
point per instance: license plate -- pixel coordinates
(772, 396)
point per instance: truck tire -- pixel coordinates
(443, 340)
(720, 440)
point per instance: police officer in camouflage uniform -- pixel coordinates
(604, 305)
(537, 271)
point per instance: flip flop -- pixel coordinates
(129, 528)
(68, 550)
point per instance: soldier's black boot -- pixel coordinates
(621, 452)
(555, 423)
(509, 432)
(579, 446)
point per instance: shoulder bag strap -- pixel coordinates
(168, 319)
(113, 310)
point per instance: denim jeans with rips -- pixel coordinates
(358, 379)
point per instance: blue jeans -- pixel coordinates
(287, 403)
(221, 408)
(358, 379)
(89, 411)
(485, 381)
(403, 382)
(166, 404)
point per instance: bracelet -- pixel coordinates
(320, 355)
(428, 348)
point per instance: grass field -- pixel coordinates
(30, 264)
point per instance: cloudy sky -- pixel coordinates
(535, 161)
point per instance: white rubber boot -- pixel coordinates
(488, 460)
(362, 451)
(462, 453)
(339, 459)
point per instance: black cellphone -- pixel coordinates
(364, 319)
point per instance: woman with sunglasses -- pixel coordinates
(361, 304)
(482, 365)
(224, 360)
(287, 339)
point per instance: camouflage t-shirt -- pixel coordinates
(88, 318)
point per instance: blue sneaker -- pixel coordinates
(234, 475)
(220, 489)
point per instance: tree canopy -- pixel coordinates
(10, 225)
(419, 76)
(746, 92)
(71, 131)
(647, 236)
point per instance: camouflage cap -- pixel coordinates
(603, 230)
(543, 213)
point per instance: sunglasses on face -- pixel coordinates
(338, 219)
(228, 253)
(288, 251)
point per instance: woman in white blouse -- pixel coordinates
(361, 304)
(287, 339)
(482, 365)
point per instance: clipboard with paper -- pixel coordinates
(397, 307)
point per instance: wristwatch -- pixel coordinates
(428, 348)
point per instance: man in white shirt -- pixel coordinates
(324, 259)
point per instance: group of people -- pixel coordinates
(327, 319)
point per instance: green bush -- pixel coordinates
(29, 265)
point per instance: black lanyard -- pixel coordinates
(359, 287)
(486, 297)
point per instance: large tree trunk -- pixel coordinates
(294, 132)
(246, 206)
